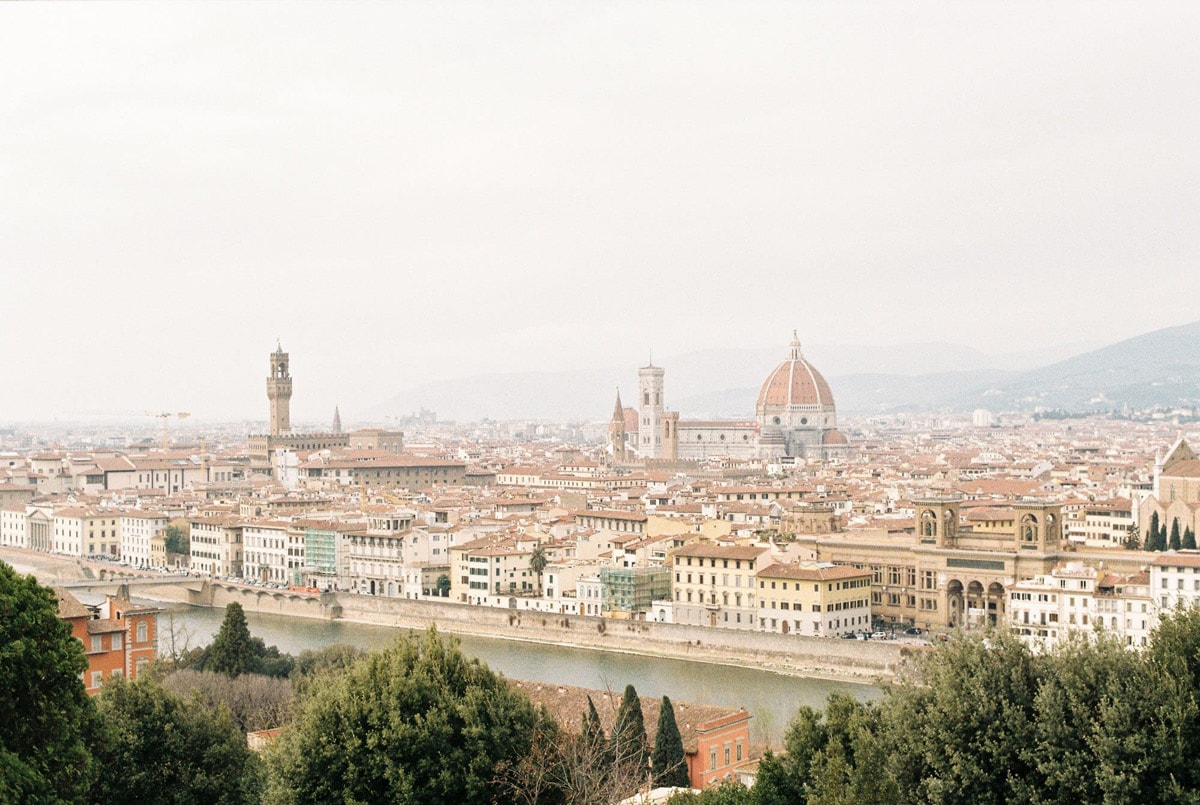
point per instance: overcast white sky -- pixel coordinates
(410, 192)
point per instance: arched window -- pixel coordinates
(1029, 528)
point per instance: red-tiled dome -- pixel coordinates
(794, 382)
(834, 437)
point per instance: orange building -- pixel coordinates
(119, 638)
(721, 745)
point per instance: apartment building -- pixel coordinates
(819, 600)
(1081, 599)
(217, 546)
(138, 528)
(265, 551)
(714, 585)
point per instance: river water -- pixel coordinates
(771, 699)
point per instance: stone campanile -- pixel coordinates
(279, 392)
(650, 411)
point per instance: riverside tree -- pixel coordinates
(47, 717)
(232, 652)
(418, 722)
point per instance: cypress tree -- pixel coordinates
(1189, 539)
(1152, 535)
(1176, 542)
(668, 762)
(593, 733)
(232, 653)
(629, 742)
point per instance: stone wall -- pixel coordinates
(868, 661)
(789, 653)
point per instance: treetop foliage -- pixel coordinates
(48, 717)
(160, 748)
(984, 720)
(418, 722)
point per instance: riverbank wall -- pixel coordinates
(854, 660)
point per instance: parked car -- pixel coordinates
(879, 635)
(913, 630)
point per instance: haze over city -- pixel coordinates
(409, 194)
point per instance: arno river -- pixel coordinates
(770, 698)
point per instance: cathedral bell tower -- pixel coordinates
(650, 411)
(279, 392)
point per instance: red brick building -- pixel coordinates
(119, 638)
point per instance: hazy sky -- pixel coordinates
(411, 192)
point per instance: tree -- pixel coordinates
(313, 664)
(960, 730)
(443, 585)
(1176, 542)
(537, 563)
(592, 730)
(47, 715)
(418, 722)
(726, 792)
(630, 746)
(255, 701)
(1133, 539)
(177, 537)
(1189, 539)
(1152, 537)
(232, 652)
(668, 762)
(159, 748)
(269, 660)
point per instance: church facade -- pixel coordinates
(795, 416)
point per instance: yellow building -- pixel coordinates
(713, 585)
(820, 600)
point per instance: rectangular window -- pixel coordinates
(116, 641)
(97, 642)
(97, 678)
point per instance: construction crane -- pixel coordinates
(165, 416)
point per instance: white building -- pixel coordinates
(14, 532)
(1076, 598)
(374, 557)
(137, 529)
(68, 531)
(216, 546)
(1175, 579)
(265, 546)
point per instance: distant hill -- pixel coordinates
(1158, 368)
(1161, 368)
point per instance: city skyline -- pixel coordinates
(417, 194)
